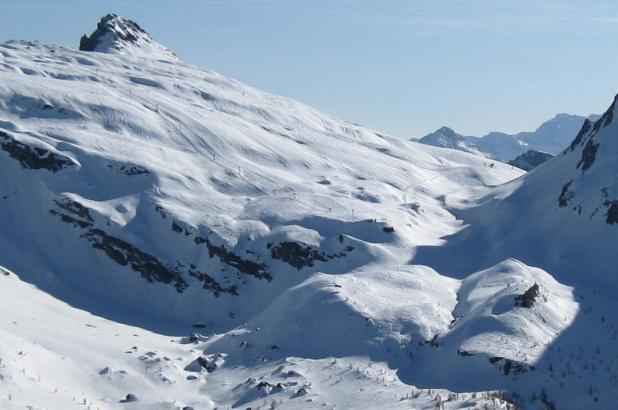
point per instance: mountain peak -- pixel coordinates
(445, 130)
(117, 34)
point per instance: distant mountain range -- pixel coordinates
(550, 137)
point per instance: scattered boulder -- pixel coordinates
(300, 392)
(130, 398)
(201, 363)
(192, 338)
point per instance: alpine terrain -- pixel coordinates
(551, 137)
(175, 239)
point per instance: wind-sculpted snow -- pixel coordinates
(272, 241)
(226, 193)
(55, 356)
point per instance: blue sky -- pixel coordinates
(405, 67)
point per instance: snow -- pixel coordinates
(181, 239)
(55, 356)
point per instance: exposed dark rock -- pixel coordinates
(161, 211)
(508, 366)
(130, 398)
(211, 284)
(530, 159)
(201, 363)
(263, 385)
(226, 256)
(75, 208)
(33, 157)
(296, 255)
(129, 170)
(127, 31)
(607, 117)
(300, 392)
(583, 131)
(125, 254)
(588, 155)
(73, 212)
(120, 251)
(388, 229)
(300, 255)
(566, 195)
(612, 213)
(192, 338)
(177, 228)
(230, 258)
(529, 297)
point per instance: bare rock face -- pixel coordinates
(530, 159)
(112, 30)
(529, 297)
(115, 33)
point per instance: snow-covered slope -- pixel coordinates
(552, 137)
(145, 196)
(124, 174)
(562, 217)
(54, 356)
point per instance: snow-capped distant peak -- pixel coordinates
(117, 34)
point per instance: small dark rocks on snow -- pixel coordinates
(130, 398)
(201, 363)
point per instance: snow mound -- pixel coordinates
(57, 357)
(511, 311)
(377, 309)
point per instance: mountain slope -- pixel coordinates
(561, 217)
(57, 357)
(145, 196)
(193, 183)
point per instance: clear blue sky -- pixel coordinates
(405, 67)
